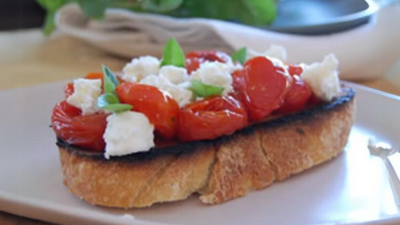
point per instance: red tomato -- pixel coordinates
(195, 58)
(297, 97)
(161, 109)
(295, 70)
(262, 86)
(68, 89)
(75, 129)
(211, 118)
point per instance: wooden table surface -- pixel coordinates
(27, 58)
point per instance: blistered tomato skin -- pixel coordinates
(75, 129)
(195, 58)
(211, 118)
(160, 108)
(297, 97)
(262, 87)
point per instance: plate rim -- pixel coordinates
(45, 209)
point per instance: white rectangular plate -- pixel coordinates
(351, 189)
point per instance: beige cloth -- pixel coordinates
(364, 52)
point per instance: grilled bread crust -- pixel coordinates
(219, 170)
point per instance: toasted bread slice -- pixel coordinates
(219, 170)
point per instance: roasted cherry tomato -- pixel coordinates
(161, 109)
(75, 129)
(295, 70)
(262, 86)
(195, 58)
(297, 97)
(211, 118)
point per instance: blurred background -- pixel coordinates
(18, 14)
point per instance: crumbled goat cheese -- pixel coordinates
(128, 132)
(214, 73)
(86, 92)
(175, 75)
(274, 51)
(141, 67)
(323, 78)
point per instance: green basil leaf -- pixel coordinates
(240, 55)
(252, 12)
(205, 90)
(93, 8)
(51, 7)
(173, 54)
(110, 80)
(117, 108)
(107, 99)
(111, 102)
(161, 5)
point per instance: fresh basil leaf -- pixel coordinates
(161, 5)
(258, 12)
(111, 102)
(205, 90)
(51, 7)
(110, 80)
(93, 8)
(173, 54)
(117, 108)
(252, 12)
(240, 55)
(107, 99)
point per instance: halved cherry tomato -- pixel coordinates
(297, 97)
(211, 118)
(262, 86)
(195, 58)
(75, 129)
(161, 109)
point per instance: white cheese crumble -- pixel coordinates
(128, 132)
(175, 75)
(140, 67)
(179, 92)
(216, 74)
(274, 51)
(323, 78)
(86, 92)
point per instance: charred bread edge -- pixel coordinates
(189, 147)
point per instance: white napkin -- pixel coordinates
(365, 52)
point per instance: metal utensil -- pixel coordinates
(383, 151)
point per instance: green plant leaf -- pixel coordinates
(107, 99)
(252, 12)
(51, 7)
(117, 108)
(111, 102)
(173, 54)
(258, 12)
(110, 80)
(161, 5)
(240, 55)
(205, 90)
(93, 8)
